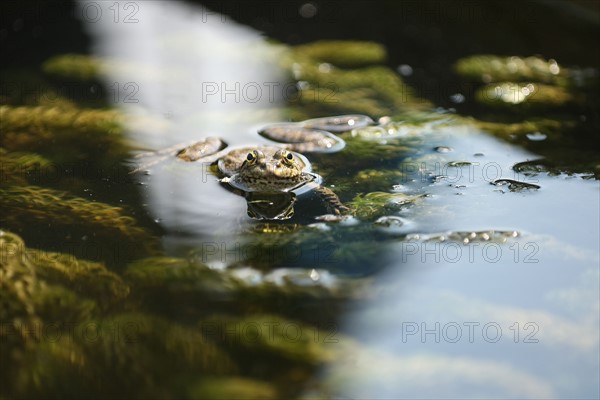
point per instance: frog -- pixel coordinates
(259, 173)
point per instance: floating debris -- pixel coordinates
(515, 186)
(392, 224)
(459, 164)
(536, 136)
(390, 220)
(443, 149)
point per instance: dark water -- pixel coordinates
(511, 316)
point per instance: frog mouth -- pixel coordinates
(268, 183)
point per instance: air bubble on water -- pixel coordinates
(314, 275)
(457, 98)
(321, 226)
(405, 70)
(443, 149)
(302, 85)
(536, 136)
(216, 265)
(307, 10)
(325, 68)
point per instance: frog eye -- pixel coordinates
(287, 157)
(251, 157)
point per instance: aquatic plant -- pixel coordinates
(343, 76)
(491, 68)
(530, 96)
(368, 180)
(373, 205)
(133, 354)
(23, 204)
(74, 66)
(232, 387)
(79, 133)
(184, 279)
(31, 308)
(18, 168)
(343, 53)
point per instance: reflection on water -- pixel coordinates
(270, 205)
(518, 319)
(200, 74)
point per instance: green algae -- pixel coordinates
(373, 205)
(51, 335)
(136, 355)
(86, 278)
(182, 280)
(533, 102)
(343, 53)
(74, 66)
(37, 279)
(87, 68)
(20, 168)
(147, 355)
(507, 130)
(282, 338)
(48, 205)
(335, 77)
(64, 135)
(33, 310)
(491, 68)
(376, 91)
(530, 96)
(232, 388)
(370, 180)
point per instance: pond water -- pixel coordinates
(469, 268)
